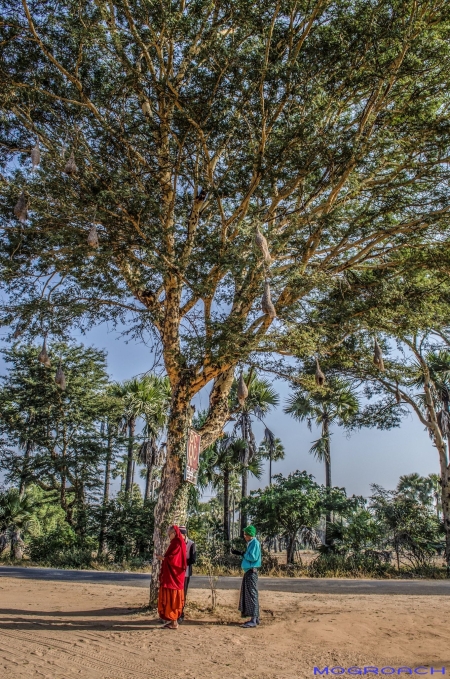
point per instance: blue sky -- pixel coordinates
(368, 456)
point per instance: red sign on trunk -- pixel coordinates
(192, 457)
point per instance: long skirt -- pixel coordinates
(248, 601)
(170, 603)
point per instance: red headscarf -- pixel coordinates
(173, 567)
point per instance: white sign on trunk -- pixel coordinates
(192, 457)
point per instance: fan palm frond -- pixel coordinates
(321, 449)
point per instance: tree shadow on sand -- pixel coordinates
(16, 619)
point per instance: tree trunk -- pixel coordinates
(101, 539)
(290, 552)
(244, 493)
(233, 514)
(397, 554)
(171, 505)
(441, 445)
(445, 481)
(148, 482)
(131, 431)
(245, 433)
(438, 513)
(17, 545)
(172, 500)
(24, 474)
(326, 434)
(3, 542)
(226, 504)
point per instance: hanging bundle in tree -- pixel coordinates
(443, 420)
(21, 208)
(319, 376)
(18, 331)
(244, 454)
(146, 108)
(43, 356)
(266, 302)
(261, 242)
(35, 155)
(60, 378)
(242, 390)
(71, 167)
(93, 237)
(377, 355)
(398, 397)
(146, 453)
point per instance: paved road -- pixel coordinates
(305, 585)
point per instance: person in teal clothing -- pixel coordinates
(251, 561)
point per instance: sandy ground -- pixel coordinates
(56, 630)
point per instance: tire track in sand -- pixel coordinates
(99, 661)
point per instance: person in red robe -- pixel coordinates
(171, 579)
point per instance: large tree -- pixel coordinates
(415, 378)
(333, 403)
(292, 503)
(174, 133)
(260, 398)
(227, 459)
(147, 398)
(67, 449)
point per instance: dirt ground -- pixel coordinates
(56, 630)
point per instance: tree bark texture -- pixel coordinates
(441, 445)
(244, 493)
(290, 550)
(431, 423)
(326, 434)
(101, 539)
(148, 482)
(131, 432)
(171, 505)
(17, 545)
(226, 504)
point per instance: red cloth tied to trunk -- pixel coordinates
(173, 567)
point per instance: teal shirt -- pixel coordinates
(252, 556)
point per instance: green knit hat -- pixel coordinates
(250, 530)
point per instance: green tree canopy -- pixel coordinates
(292, 503)
(56, 432)
(336, 402)
(410, 528)
(172, 135)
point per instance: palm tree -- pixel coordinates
(271, 449)
(222, 463)
(261, 398)
(146, 397)
(120, 470)
(416, 487)
(16, 511)
(109, 430)
(335, 403)
(155, 399)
